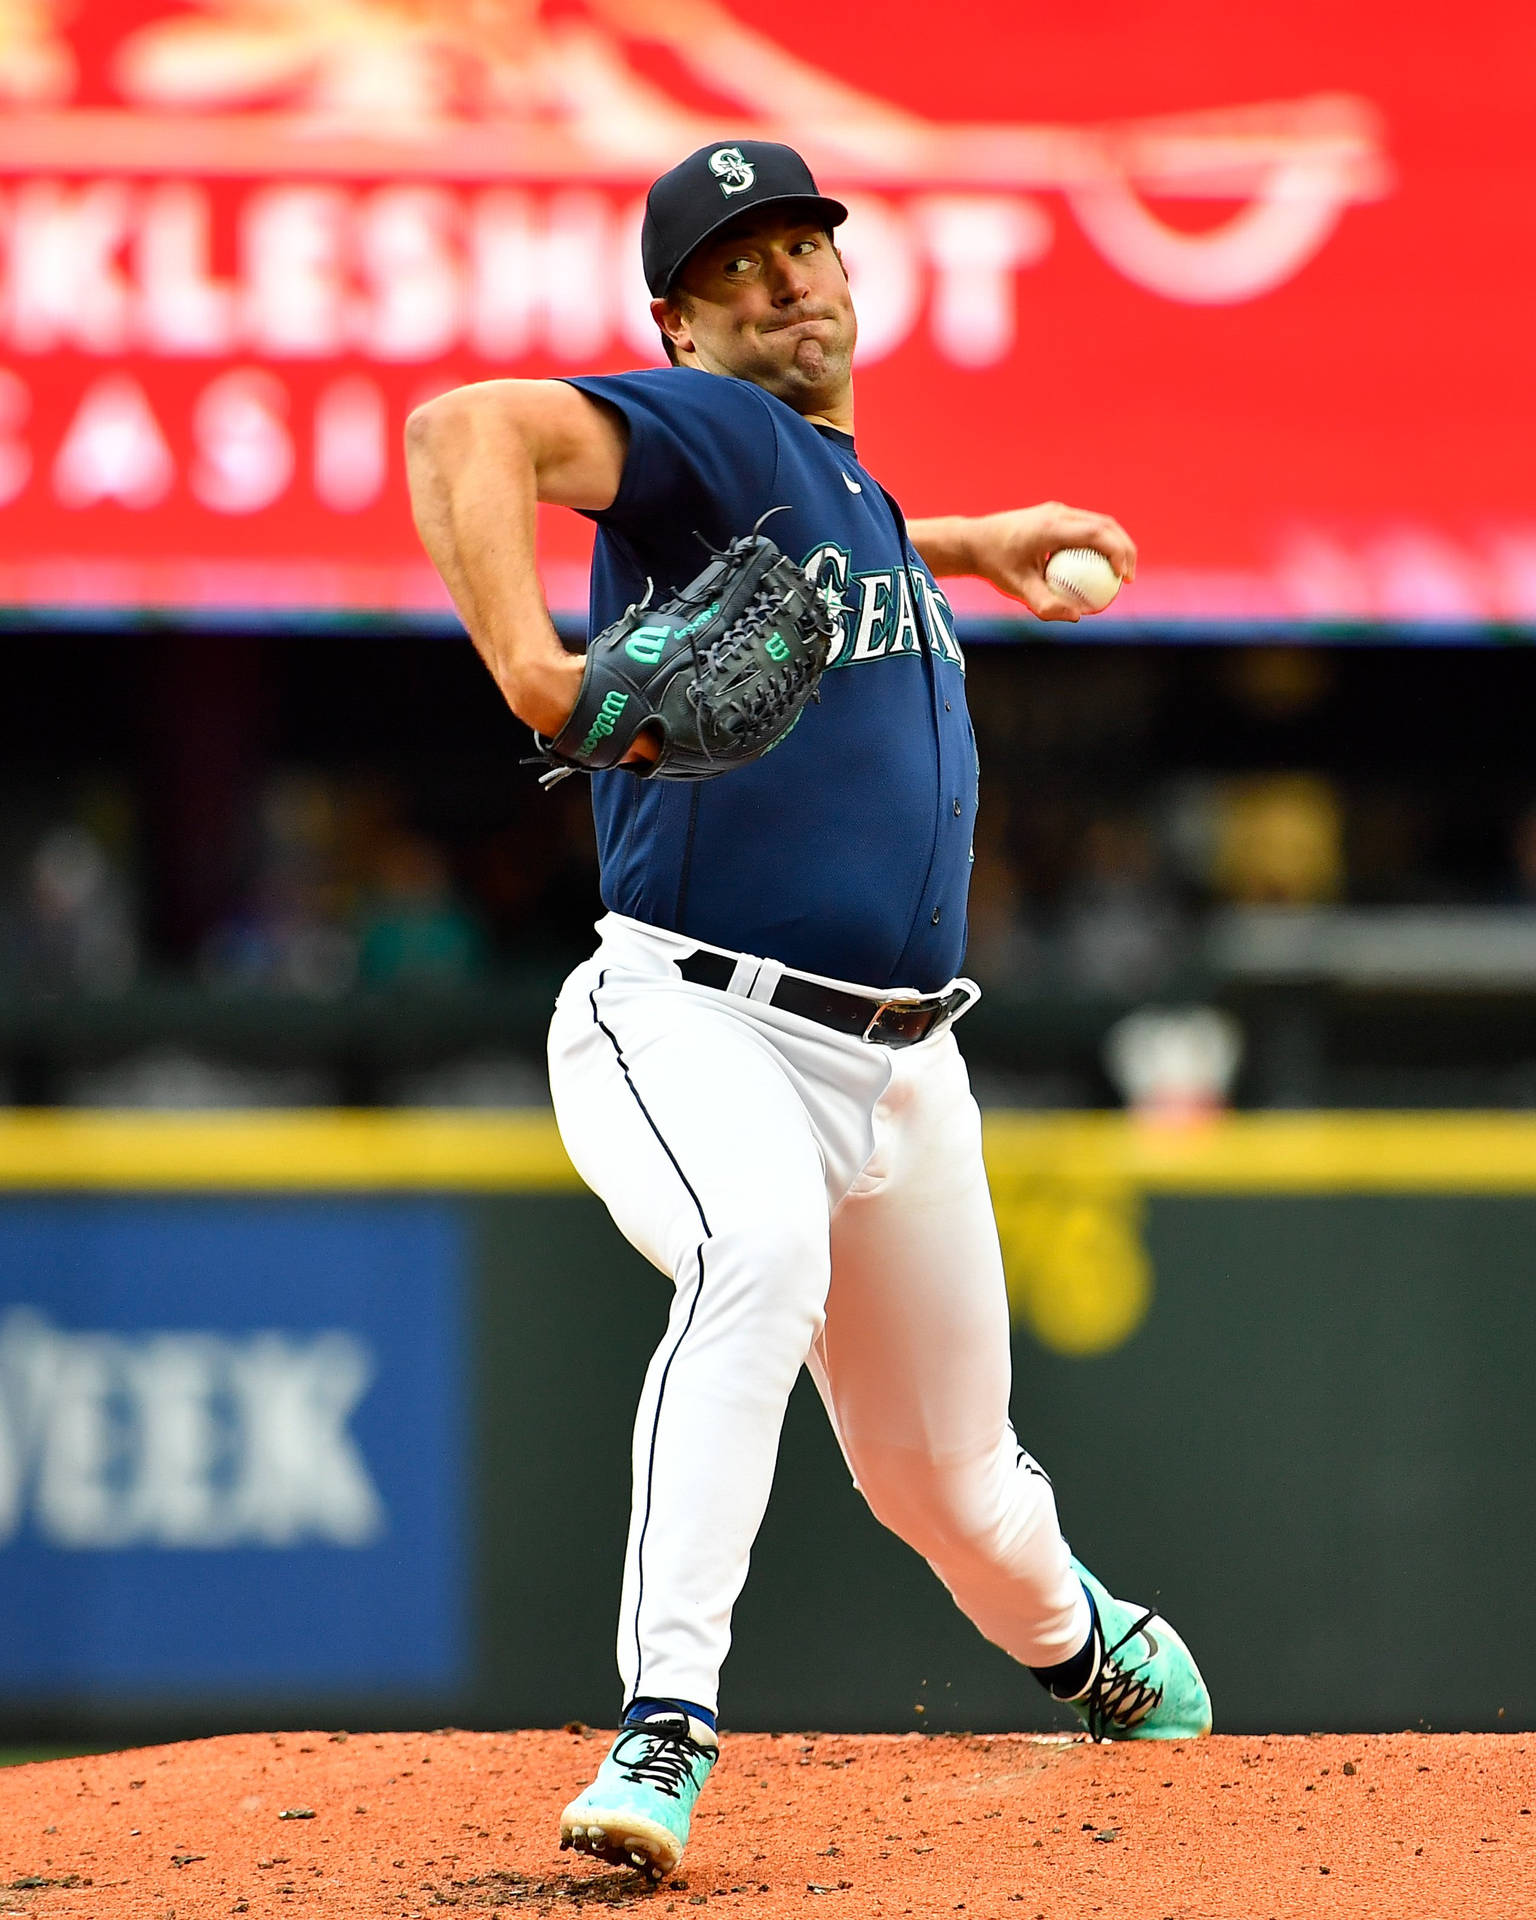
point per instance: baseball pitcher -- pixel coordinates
(757, 1069)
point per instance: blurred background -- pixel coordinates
(290, 1262)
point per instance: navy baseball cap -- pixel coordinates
(700, 194)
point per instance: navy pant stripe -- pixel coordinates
(698, 1289)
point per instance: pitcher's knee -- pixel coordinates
(971, 1512)
(760, 1289)
(767, 1264)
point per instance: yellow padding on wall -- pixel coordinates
(1274, 1152)
(292, 1151)
(520, 1151)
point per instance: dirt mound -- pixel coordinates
(1398, 1825)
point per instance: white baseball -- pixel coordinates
(1082, 575)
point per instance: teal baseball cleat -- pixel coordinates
(1145, 1685)
(637, 1811)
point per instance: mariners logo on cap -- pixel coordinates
(733, 170)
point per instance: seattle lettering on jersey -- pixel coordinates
(879, 621)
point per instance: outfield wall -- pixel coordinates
(325, 1416)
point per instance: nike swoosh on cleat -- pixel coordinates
(852, 485)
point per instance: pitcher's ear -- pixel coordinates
(673, 323)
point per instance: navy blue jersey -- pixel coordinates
(846, 850)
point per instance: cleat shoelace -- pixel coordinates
(665, 1758)
(1118, 1697)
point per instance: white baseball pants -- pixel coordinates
(817, 1201)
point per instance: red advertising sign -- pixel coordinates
(1256, 282)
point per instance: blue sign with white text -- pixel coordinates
(232, 1446)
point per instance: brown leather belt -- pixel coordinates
(900, 1021)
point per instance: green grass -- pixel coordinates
(24, 1756)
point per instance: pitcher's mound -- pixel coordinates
(1385, 1827)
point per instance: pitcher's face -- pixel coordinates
(767, 299)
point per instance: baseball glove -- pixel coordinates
(721, 672)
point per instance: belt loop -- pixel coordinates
(744, 975)
(769, 974)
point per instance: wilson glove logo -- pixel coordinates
(699, 621)
(732, 169)
(645, 644)
(607, 719)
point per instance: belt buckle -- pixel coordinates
(885, 1007)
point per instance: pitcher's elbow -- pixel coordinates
(424, 427)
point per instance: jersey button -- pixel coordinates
(946, 706)
(957, 809)
(935, 921)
